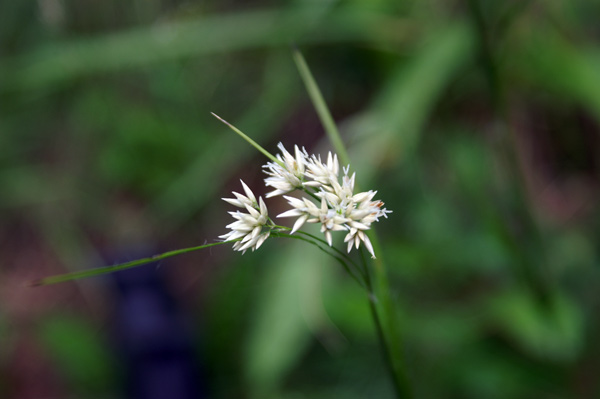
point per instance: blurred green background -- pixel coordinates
(476, 121)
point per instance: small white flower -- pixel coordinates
(288, 177)
(240, 200)
(307, 211)
(248, 226)
(340, 208)
(331, 220)
(339, 195)
(361, 215)
(304, 208)
(322, 174)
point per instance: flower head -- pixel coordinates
(248, 226)
(361, 215)
(322, 174)
(330, 202)
(289, 175)
(340, 209)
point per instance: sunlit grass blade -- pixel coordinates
(122, 266)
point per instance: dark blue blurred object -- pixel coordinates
(153, 340)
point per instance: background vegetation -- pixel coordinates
(476, 121)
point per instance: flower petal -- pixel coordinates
(301, 220)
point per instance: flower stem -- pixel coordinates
(249, 140)
(312, 194)
(322, 109)
(342, 254)
(323, 246)
(322, 241)
(122, 266)
(380, 300)
(391, 355)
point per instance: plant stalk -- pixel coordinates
(380, 300)
(61, 278)
(389, 342)
(249, 140)
(317, 99)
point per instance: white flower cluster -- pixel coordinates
(249, 225)
(327, 201)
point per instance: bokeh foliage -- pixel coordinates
(476, 121)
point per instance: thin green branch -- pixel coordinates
(122, 266)
(394, 366)
(341, 253)
(249, 140)
(312, 194)
(322, 109)
(326, 249)
(322, 241)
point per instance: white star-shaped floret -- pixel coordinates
(322, 174)
(240, 200)
(355, 236)
(289, 175)
(361, 215)
(248, 226)
(331, 220)
(340, 209)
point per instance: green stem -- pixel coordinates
(394, 365)
(322, 241)
(384, 313)
(359, 270)
(122, 266)
(312, 194)
(341, 253)
(388, 317)
(322, 109)
(249, 140)
(326, 249)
